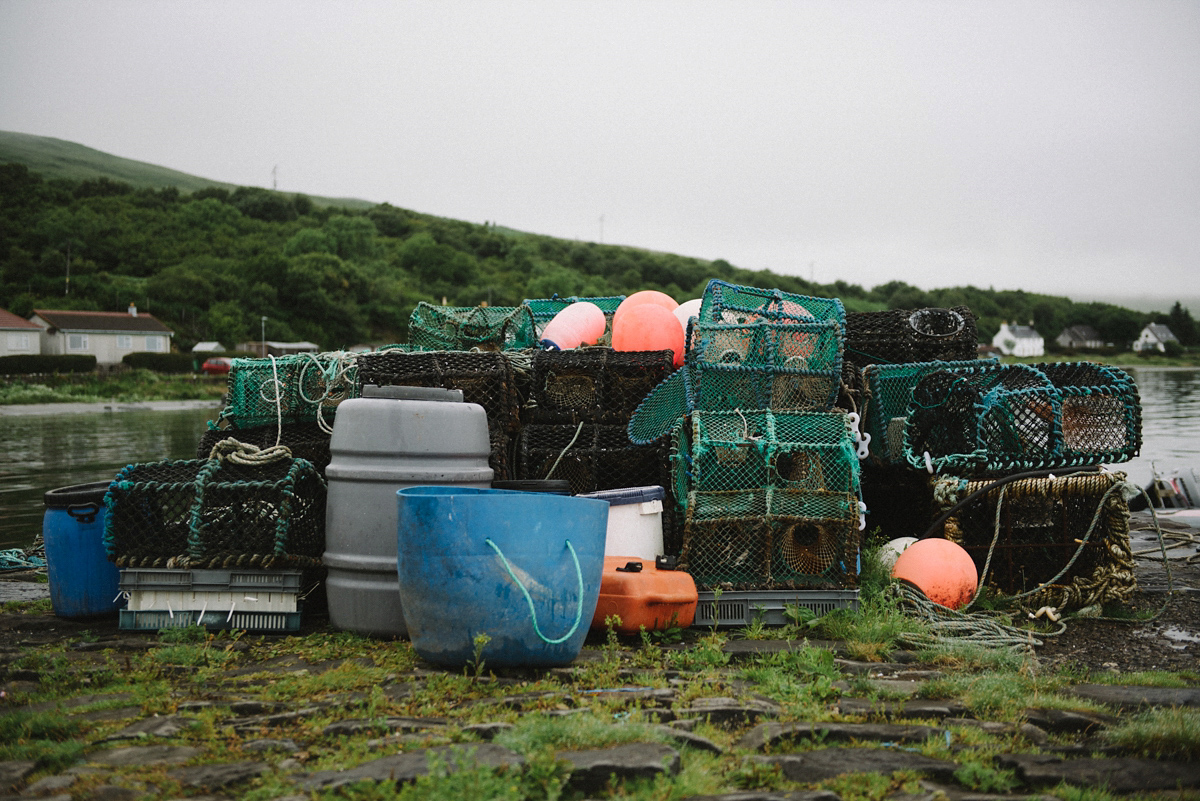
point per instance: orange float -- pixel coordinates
(941, 569)
(648, 327)
(647, 296)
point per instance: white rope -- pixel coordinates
(564, 451)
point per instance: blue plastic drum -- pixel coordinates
(83, 583)
(523, 569)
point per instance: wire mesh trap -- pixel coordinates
(305, 440)
(544, 310)
(471, 327)
(301, 388)
(590, 456)
(595, 385)
(216, 513)
(901, 336)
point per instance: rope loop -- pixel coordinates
(529, 600)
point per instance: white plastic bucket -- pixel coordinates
(634, 521)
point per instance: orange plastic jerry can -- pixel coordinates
(643, 593)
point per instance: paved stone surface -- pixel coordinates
(157, 726)
(771, 735)
(487, 731)
(1027, 730)
(741, 649)
(690, 740)
(728, 712)
(815, 766)
(1132, 698)
(916, 709)
(51, 784)
(1120, 775)
(14, 772)
(146, 755)
(392, 724)
(761, 795)
(406, 767)
(592, 769)
(267, 744)
(1068, 721)
(215, 777)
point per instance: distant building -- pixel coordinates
(1019, 340)
(18, 336)
(279, 348)
(1154, 336)
(108, 336)
(207, 347)
(1080, 337)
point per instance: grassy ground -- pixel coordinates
(125, 387)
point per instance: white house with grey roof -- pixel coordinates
(108, 336)
(18, 336)
(1154, 336)
(1019, 340)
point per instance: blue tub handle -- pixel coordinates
(528, 600)
(84, 512)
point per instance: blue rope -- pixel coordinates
(528, 600)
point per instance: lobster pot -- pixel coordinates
(300, 388)
(599, 457)
(1000, 419)
(771, 539)
(544, 310)
(889, 392)
(305, 441)
(489, 328)
(593, 385)
(899, 501)
(900, 336)
(485, 379)
(723, 302)
(731, 451)
(216, 514)
(1043, 523)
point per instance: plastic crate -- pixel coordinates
(155, 619)
(211, 590)
(743, 608)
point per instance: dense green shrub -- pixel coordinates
(161, 362)
(46, 363)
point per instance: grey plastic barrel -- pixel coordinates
(390, 438)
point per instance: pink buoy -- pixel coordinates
(646, 296)
(941, 569)
(648, 327)
(580, 323)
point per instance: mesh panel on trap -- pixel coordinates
(216, 514)
(304, 440)
(1042, 524)
(805, 452)
(771, 539)
(544, 310)
(889, 393)
(900, 336)
(723, 302)
(601, 457)
(484, 378)
(595, 385)
(467, 328)
(291, 389)
(1005, 418)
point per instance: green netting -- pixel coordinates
(723, 302)
(771, 539)
(216, 514)
(595, 385)
(890, 388)
(469, 328)
(544, 310)
(998, 419)
(302, 388)
(901, 336)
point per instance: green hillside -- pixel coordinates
(80, 229)
(55, 158)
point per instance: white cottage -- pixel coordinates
(1154, 336)
(108, 336)
(1019, 340)
(18, 336)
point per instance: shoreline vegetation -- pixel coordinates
(137, 386)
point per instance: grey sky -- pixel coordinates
(1048, 146)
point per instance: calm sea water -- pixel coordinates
(43, 451)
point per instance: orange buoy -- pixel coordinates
(941, 569)
(648, 327)
(646, 296)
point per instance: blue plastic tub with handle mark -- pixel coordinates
(522, 569)
(83, 583)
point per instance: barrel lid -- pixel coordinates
(627, 495)
(63, 497)
(412, 393)
(553, 485)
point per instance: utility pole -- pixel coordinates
(68, 289)
(264, 336)
(601, 229)
(274, 177)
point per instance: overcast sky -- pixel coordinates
(1047, 146)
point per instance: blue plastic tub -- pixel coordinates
(83, 583)
(522, 568)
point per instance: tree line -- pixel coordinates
(212, 263)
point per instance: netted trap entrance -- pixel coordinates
(217, 513)
(997, 419)
(471, 327)
(901, 336)
(595, 385)
(1071, 531)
